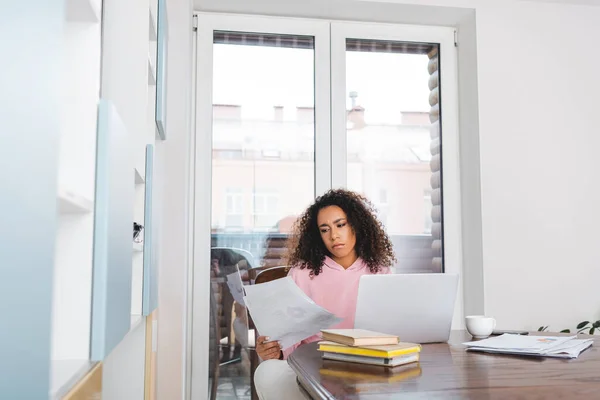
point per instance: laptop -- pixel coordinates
(416, 307)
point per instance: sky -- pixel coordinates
(258, 78)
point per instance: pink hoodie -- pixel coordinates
(335, 289)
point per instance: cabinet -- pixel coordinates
(76, 168)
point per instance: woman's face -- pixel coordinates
(337, 234)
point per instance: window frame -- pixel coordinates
(330, 140)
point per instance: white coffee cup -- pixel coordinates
(480, 326)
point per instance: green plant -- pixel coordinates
(582, 327)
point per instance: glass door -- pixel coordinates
(286, 109)
(268, 118)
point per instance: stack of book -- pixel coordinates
(367, 347)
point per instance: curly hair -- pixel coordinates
(306, 247)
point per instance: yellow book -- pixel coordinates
(387, 351)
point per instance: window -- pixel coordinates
(258, 141)
(428, 207)
(387, 80)
(265, 209)
(234, 208)
(382, 206)
(390, 92)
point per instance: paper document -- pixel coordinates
(234, 282)
(546, 346)
(282, 311)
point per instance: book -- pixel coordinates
(381, 361)
(358, 337)
(385, 351)
(541, 346)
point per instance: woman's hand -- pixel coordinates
(267, 350)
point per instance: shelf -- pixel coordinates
(139, 178)
(151, 72)
(152, 26)
(83, 10)
(138, 247)
(72, 203)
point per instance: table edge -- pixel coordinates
(314, 389)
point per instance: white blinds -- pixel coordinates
(435, 163)
(264, 39)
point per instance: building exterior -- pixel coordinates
(263, 175)
(263, 169)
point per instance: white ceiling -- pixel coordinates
(573, 2)
(346, 10)
(214, 4)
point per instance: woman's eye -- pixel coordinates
(341, 225)
(323, 230)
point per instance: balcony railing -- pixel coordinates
(413, 252)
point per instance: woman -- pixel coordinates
(336, 240)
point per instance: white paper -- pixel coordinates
(547, 346)
(236, 287)
(520, 342)
(283, 312)
(571, 349)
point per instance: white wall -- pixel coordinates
(537, 101)
(470, 166)
(123, 369)
(536, 93)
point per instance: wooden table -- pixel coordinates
(447, 371)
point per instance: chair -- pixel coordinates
(276, 250)
(275, 253)
(214, 346)
(233, 252)
(225, 261)
(227, 333)
(266, 275)
(271, 274)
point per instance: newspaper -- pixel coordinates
(543, 346)
(283, 312)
